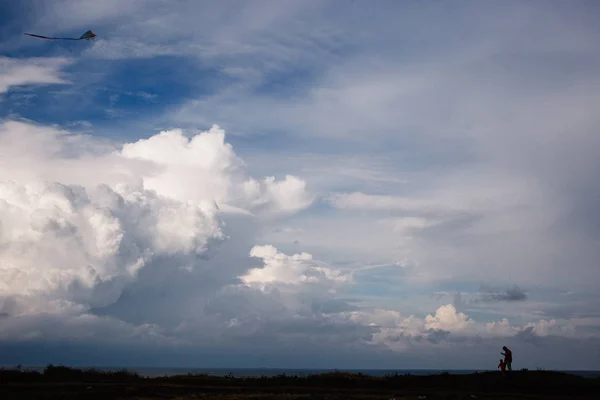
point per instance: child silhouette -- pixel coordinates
(502, 366)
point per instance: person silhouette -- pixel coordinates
(507, 357)
(502, 366)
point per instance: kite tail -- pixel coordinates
(51, 38)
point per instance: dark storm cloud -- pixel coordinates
(486, 294)
(437, 335)
(491, 294)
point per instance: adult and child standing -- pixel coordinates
(507, 362)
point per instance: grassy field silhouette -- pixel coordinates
(60, 382)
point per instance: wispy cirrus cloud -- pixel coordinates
(31, 71)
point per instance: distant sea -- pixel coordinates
(258, 372)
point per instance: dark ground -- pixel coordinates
(67, 383)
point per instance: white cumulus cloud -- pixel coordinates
(63, 242)
(79, 217)
(280, 268)
(205, 168)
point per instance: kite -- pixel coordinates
(87, 36)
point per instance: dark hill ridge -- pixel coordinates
(65, 383)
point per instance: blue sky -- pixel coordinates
(229, 181)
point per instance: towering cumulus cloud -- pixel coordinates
(66, 242)
(80, 218)
(206, 168)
